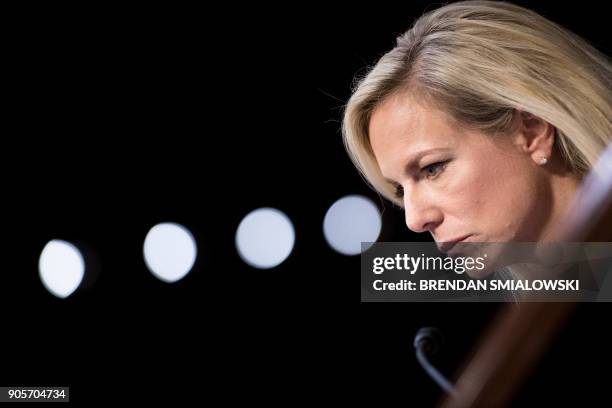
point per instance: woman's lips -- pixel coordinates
(446, 246)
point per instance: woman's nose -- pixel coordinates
(421, 215)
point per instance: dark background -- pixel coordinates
(120, 118)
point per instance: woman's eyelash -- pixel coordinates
(432, 170)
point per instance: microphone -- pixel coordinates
(427, 342)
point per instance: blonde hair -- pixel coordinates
(482, 62)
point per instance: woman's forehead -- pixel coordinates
(401, 122)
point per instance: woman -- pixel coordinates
(481, 122)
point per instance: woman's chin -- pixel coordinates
(479, 273)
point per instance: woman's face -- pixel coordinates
(461, 184)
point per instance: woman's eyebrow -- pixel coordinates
(414, 160)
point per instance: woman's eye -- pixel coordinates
(434, 169)
(431, 171)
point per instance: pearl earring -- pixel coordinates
(543, 161)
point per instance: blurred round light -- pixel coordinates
(169, 251)
(61, 268)
(349, 221)
(265, 238)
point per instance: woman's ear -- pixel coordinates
(535, 137)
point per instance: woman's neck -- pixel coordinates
(564, 188)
